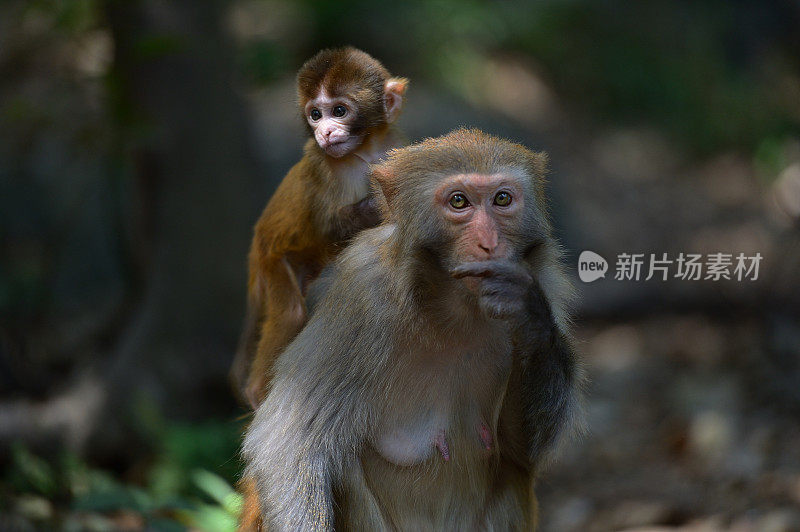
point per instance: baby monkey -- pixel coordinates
(349, 102)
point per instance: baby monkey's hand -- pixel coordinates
(365, 213)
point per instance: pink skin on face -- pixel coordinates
(480, 219)
(331, 119)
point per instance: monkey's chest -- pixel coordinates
(413, 439)
(352, 181)
(428, 462)
(434, 459)
(451, 419)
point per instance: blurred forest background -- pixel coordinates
(139, 140)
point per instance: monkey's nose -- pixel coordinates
(488, 244)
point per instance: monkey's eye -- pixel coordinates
(315, 114)
(458, 201)
(339, 111)
(502, 199)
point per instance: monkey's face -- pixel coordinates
(482, 215)
(332, 120)
(466, 198)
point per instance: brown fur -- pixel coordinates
(375, 417)
(317, 207)
(250, 518)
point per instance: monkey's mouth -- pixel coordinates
(471, 274)
(338, 148)
(334, 144)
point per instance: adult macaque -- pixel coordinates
(436, 373)
(348, 101)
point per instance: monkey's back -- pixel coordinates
(286, 226)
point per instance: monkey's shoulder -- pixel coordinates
(301, 185)
(359, 283)
(314, 169)
(363, 258)
(304, 181)
(352, 294)
(288, 221)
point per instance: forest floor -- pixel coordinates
(679, 434)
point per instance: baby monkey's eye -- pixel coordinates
(458, 201)
(339, 111)
(502, 199)
(315, 114)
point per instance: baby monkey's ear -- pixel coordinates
(393, 93)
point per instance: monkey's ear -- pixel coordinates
(393, 93)
(537, 164)
(384, 188)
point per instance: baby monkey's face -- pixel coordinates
(332, 119)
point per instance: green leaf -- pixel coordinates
(32, 470)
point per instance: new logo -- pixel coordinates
(591, 266)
